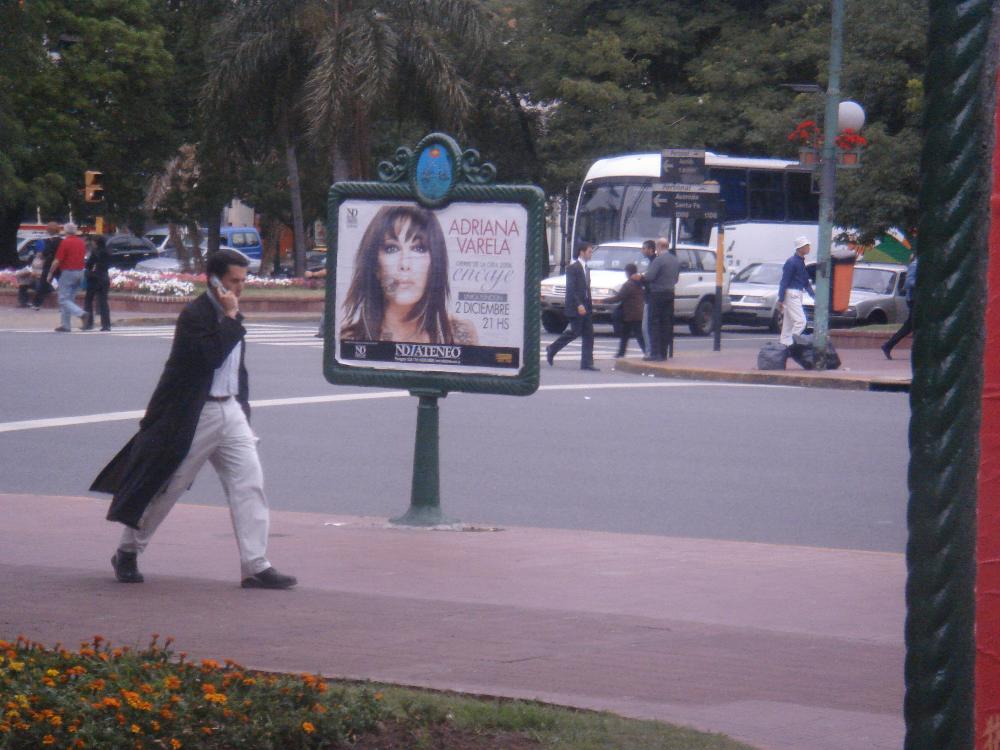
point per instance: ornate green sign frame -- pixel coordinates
(435, 174)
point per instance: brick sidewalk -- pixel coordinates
(783, 647)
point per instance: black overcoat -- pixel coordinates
(202, 341)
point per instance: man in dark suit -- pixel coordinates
(579, 310)
(199, 412)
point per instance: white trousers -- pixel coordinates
(224, 437)
(794, 319)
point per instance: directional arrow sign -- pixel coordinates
(685, 166)
(686, 201)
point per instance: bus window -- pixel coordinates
(733, 190)
(803, 203)
(599, 213)
(767, 195)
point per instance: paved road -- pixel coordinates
(602, 451)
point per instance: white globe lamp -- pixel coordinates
(850, 115)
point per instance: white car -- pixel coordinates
(876, 296)
(694, 295)
(753, 296)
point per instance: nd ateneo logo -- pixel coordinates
(360, 351)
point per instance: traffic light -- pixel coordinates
(93, 190)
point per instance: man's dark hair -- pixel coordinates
(630, 269)
(220, 261)
(580, 248)
(649, 245)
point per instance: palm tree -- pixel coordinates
(316, 69)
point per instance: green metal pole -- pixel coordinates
(425, 490)
(828, 185)
(946, 395)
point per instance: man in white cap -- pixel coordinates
(794, 281)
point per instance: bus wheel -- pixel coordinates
(553, 322)
(701, 321)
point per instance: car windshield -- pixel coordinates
(615, 258)
(760, 273)
(873, 280)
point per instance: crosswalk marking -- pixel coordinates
(285, 334)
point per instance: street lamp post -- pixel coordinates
(837, 114)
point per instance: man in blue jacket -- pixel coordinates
(579, 309)
(794, 282)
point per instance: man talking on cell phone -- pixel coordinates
(199, 412)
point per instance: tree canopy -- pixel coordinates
(268, 96)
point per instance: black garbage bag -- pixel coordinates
(803, 352)
(772, 356)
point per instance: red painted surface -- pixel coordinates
(988, 534)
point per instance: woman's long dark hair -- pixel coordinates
(364, 307)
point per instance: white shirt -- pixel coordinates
(226, 380)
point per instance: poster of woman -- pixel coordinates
(422, 289)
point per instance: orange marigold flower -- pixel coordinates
(110, 702)
(166, 714)
(215, 698)
(55, 721)
(135, 729)
(249, 681)
(154, 725)
(175, 744)
(209, 664)
(206, 730)
(307, 727)
(208, 688)
(48, 682)
(48, 740)
(146, 688)
(171, 683)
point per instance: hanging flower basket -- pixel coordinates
(850, 144)
(849, 158)
(808, 157)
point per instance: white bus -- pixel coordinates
(769, 202)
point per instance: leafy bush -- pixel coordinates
(118, 698)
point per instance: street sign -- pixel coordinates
(685, 166)
(686, 201)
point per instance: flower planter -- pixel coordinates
(808, 157)
(849, 158)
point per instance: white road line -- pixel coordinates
(120, 416)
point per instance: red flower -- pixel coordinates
(850, 139)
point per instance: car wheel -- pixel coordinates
(553, 322)
(701, 322)
(877, 317)
(775, 325)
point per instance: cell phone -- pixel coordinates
(217, 283)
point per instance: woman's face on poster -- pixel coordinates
(404, 261)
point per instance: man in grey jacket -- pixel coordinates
(660, 279)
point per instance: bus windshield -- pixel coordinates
(622, 212)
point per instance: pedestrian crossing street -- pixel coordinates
(302, 335)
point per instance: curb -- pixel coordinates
(813, 379)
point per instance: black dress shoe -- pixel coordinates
(549, 356)
(269, 579)
(126, 567)
(886, 351)
(590, 367)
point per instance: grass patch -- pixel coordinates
(123, 699)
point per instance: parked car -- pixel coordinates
(127, 250)
(168, 262)
(244, 239)
(694, 295)
(876, 296)
(753, 296)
